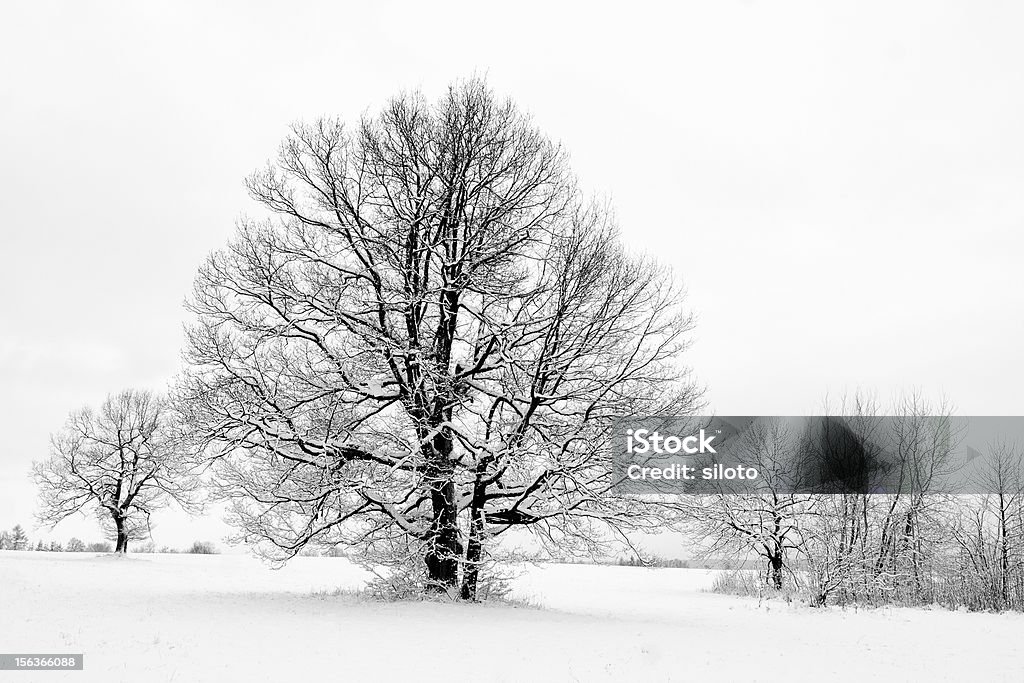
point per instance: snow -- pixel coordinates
(231, 618)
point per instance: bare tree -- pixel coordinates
(768, 522)
(425, 346)
(871, 538)
(988, 530)
(910, 523)
(121, 461)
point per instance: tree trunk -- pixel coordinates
(122, 535)
(474, 547)
(444, 549)
(775, 563)
(1004, 554)
(776, 552)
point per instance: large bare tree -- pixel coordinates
(121, 461)
(425, 343)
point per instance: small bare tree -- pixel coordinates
(767, 522)
(121, 462)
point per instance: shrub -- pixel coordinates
(202, 548)
(752, 583)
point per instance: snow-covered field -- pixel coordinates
(229, 618)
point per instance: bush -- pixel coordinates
(75, 545)
(402, 581)
(202, 548)
(752, 583)
(101, 547)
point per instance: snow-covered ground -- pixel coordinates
(230, 618)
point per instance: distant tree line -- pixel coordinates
(17, 539)
(636, 561)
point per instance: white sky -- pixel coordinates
(839, 184)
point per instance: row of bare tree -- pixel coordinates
(915, 543)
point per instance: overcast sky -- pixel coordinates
(839, 184)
